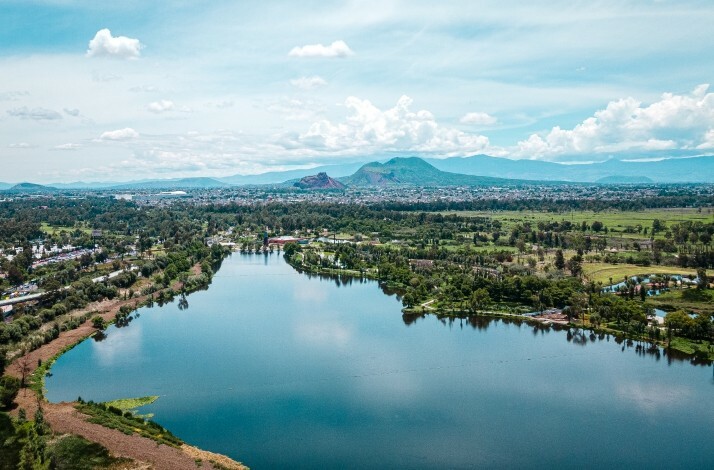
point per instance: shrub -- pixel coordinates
(9, 386)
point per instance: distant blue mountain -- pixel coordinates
(672, 170)
(178, 183)
(275, 177)
(434, 171)
(31, 188)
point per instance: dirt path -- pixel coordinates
(64, 418)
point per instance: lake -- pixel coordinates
(278, 369)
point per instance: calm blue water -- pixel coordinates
(280, 370)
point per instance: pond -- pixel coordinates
(282, 370)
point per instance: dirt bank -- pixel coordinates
(64, 418)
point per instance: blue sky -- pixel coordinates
(97, 92)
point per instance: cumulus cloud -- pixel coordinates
(370, 129)
(120, 134)
(675, 121)
(336, 49)
(36, 114)
(105, 45)
(308, 83)
(160, 106)
(68, 146)
(71, 111)
(479, 119)
(708, 142)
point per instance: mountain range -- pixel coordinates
(477, 170)
(415, 171)
(673, 170)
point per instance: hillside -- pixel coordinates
(31, 188)
(319, 181)
(417, 172)
(274, 177)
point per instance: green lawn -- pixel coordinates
(52, 230)
(617, 220)
(127, 404)
(602, 272)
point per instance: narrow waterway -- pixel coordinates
(282, 370)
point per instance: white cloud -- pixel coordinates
(160, 106)
(369, 129)
(673, 122)
(103, 77)
(479, 119)
(143, 89)
(308, 83)
(708, 140)
(68, 146)
(293, 109)
(336, 49)
(21, 145)
(13, 95)
(120, 134)
(106, 45)
(36, 114)
(225, 104)
(71, 111)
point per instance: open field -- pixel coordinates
(602, 272)
(694, 300)
(617, 220)
(50, 230)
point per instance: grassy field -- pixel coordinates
(688, 299)
(617, 220)
(50, 230)
(127, 404)
(602, 272)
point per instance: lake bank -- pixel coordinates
(64, 418)
(697, 351)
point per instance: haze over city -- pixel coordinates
(108, 92)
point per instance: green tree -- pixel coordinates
(579, 304)
(702, 280)
(98, 322)
(575, 265)
(9, 386)
(479, 299)
(559, 260)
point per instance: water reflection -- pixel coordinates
(577, 336)
(282, 370)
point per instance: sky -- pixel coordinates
(116, 91)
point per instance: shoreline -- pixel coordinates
(428, 310)
(64, 418)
